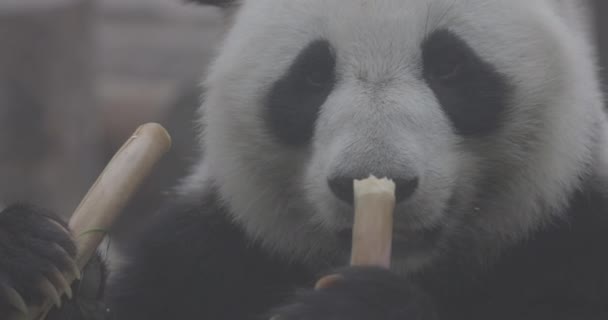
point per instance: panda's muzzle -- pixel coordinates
(342, 188)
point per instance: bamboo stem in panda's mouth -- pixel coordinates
(373, 226)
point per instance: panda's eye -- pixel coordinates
(471, 91)
(318, 78)
(219, 3)
(444, 60)
(295, 99)
(316, 69)
(447, 68)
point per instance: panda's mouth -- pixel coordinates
(405, 241)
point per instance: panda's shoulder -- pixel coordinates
(191, 227)
(563, 261)
(194, 249)
(576, 235)
(566, 257)
(586, 218)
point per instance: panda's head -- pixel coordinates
(482, 111)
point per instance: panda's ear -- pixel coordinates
(217, 3)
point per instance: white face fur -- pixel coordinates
(527, 73)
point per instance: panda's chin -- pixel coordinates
(409, 247)
(419, 227)
(408, 243)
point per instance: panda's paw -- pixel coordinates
(359, 293)
(36, 251)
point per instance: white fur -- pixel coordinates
(382, 117)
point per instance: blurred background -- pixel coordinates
(76, 79)
(78, 76)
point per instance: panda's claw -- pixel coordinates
(59, 280)
(48, 290)
(14, 298)
(71, 264)
(75, 270)
(59, 225)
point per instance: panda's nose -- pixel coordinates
(342, 188)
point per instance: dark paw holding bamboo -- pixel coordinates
(359, 293)
(38, 255)
(40, 261)
(367, 289)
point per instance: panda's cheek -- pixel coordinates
(426, 209)
(294, 101)
(323, 207)
(474, 94)
(446, 183)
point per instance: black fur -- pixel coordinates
(192, 263)
(362, 293)
(560, 272)
(295, 99)
(195, 264)
(28, 255)
(218, 3)
(471, 91)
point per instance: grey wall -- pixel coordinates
(602, 35)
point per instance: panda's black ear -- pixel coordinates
(217, 3)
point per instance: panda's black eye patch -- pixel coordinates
(471, 91)
(294, 100)
(219, 3)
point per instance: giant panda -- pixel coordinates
(487, 114)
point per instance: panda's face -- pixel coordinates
(465, 104)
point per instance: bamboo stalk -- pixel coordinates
(109, 194)
(373, 226)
